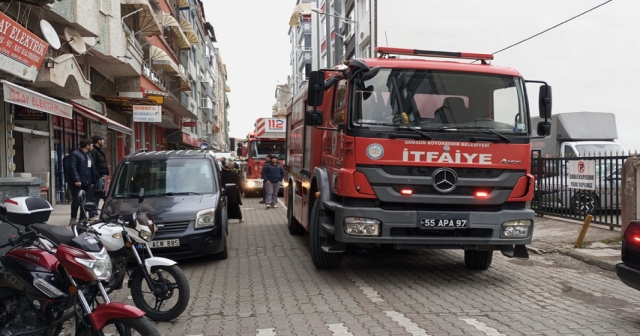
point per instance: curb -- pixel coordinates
(589, 259)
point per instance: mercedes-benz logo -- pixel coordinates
(444, 180)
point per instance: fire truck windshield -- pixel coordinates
(260, 149)
(441, 101)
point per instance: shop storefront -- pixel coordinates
(85, 123)
(29, 140)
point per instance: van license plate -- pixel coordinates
(444, 223)
(165, 243)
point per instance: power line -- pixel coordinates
(559, 24)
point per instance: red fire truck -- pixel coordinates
(413, 153)
(268, 138)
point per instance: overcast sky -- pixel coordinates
(591, 62)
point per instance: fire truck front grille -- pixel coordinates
(428, 171)
(430, 190)
(457, 233)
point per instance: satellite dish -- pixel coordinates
(50, 34)
(76, 42)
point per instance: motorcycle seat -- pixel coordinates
(57, 234)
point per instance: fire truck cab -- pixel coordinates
(414, 154)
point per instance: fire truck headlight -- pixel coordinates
(251, 184)
(285, 184)
(357, 226)
(516, 229)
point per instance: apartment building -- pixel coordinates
(139, 72)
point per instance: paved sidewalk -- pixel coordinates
(601, 247)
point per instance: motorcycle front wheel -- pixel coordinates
(165, 303)
(139, 326)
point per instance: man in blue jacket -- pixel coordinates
(273, 174)
(83, 176)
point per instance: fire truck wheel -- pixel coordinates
(295, 228)
(480, 260)
(320, 258)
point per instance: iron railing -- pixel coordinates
(553, 194)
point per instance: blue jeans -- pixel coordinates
(93, 199)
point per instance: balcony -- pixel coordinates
(64, 79)
(147, 18)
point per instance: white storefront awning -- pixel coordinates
(19, 95)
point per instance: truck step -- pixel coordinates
(330, 228)
(336, 248)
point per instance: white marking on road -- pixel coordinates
(266, 332)
(482, 327)
(339, 329)
(406, 323)
(365, 288)
(282, 203)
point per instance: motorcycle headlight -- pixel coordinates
(99, 266)
(146, 235)
(205, 218)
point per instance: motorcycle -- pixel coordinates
(43, 284)
(129, 241)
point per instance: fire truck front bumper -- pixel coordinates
(432, 229)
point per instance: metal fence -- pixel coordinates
(557, 193)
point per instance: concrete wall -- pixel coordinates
(629, 191)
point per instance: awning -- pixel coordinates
(123, 103)
(189, 32)
(184, 82)
(161, 61)
(176, 107)
(95, 116)
(19, 95)
(169, 21)
(183, 4)
(149, 24)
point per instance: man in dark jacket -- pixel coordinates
(100, 161)
(83, 175)
(273, 174)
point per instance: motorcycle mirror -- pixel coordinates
(141, 195)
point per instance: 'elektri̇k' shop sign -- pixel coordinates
(21, 51)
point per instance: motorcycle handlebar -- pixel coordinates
(20, 239)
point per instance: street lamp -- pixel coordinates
(355, 23)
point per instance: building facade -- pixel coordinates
(138, 72)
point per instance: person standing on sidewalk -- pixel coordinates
(100, 161)
(83, 175)
(234, 200)
(273, 174)
(264, 188)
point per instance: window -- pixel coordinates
(260, 149)
(162, 177)
(340, 102)
(568, 151)
(307, 70)
(307, 40)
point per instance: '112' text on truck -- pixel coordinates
(413, 153)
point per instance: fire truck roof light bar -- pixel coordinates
(431, 53)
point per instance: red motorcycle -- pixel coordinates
(42, 284)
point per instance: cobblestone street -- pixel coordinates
(269, 286)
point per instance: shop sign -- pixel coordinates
(147, 113)
(21, 51)
(157, 99)
(25, 115)
(18, 95)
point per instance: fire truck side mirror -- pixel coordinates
(239, 151)
(545, 101)
(315, 93)
(313, 118)
(544, 128)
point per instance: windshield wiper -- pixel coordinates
(393, 136)
(484, 129)
(181, 193)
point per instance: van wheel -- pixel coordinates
(480, 260)
(295, 228)
(321, 259)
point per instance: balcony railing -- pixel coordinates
(151, 75)
(132, 39)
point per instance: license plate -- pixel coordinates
(165, 243)
(444, 223)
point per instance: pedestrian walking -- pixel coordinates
(234, 199)
(264, 188)
(83, 176)
(100, 161)
(273, 174)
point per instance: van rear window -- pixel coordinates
(165, 177)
